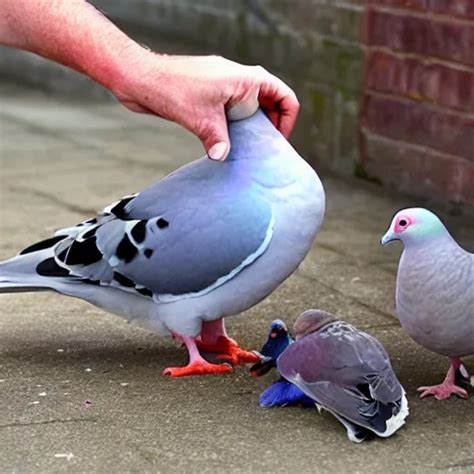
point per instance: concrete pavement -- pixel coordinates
(81, 390)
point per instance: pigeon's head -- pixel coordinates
(310, 321)
(278, 328)
(413, 225)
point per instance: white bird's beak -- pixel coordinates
(388, 237)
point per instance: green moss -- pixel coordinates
(242, 46)
(319, 105)
(342, 61)
(347, 95)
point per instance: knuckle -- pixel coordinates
(259, 69)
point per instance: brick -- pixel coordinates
(456, 8)
(414, 4)
(417, 79)
(419, 172)
(418, 123)
(461, 8)
(424, 36)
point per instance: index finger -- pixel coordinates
(280, 99)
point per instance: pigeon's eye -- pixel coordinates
(403, 222)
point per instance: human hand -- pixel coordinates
(196, 92)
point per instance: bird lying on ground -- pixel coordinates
(208, 241)
(281, 392)
(346, 372)
(435, 293)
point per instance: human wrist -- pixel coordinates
(131, 71)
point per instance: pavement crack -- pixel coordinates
(349, 256)
(48, 422)
(67, 139)
(368, 306)
(463, 463)
(53, 199)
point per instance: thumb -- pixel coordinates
(214, 135)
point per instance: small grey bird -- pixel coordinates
(208, 241)
(435, 292)
(347, 372)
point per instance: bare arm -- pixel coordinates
(194, 91)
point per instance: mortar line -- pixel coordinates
(414, 146)
(429, 105)
(425, 60)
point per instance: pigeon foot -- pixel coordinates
(442, 391)
(197, 368)
(197, 365)
(229, 351)
(448, 387)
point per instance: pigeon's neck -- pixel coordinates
(423, 255)
(317, 325)
(279, 345)
(430, 243)
(329, 319)
(255, 138)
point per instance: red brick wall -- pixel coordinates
(417, 127)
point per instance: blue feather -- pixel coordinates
(278, 340)
(283, 393)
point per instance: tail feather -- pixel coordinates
(397, 420)
(19, 274)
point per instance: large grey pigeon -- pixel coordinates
(435, 292)
(347, 372)
(208, 241)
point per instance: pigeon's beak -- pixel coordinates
(388, 237)
(273, 334)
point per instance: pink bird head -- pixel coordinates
(414, 225)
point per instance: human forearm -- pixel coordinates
(71, 32)
(195, 92)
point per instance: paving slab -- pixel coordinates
(82, 390)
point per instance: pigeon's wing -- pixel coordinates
(347, 372)
(185, 235)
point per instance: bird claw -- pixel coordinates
(229, 351)
(239, 356)
(197, 368)
(442, 391)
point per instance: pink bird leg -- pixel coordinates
(214, 339)
(448, 387)
(197, 364)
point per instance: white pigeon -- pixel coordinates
(208, 241)
(435, 292)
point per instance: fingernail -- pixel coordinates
(218, 151)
